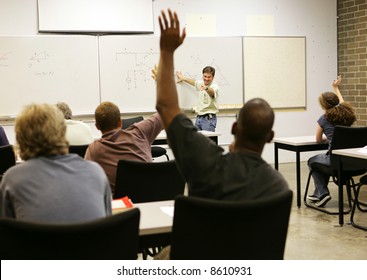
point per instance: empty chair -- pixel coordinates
(157, 151)
(7, 158)
(205, 229)
(78, 149)
(148, 181)
(127, 122)
(111, 238)
(344, 137)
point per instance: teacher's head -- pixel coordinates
(208, 75)
(40, 130)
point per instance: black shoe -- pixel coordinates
(313, 198)
(323, 200)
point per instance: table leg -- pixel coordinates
(298, 178)
(276, 163)
(340, 192)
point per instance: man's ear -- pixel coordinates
(271, 136)
(234, 128)
(97, 126)
(119, 124)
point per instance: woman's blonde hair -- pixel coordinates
(40, 131)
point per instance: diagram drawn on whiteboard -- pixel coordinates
(141, 64)
(38, 57)
(4, 59)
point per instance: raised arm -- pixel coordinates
(167, 100)
(336, 84)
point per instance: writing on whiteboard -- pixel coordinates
(4, 59)
(38, 57)
(141, 62)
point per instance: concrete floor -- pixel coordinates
(313, 235)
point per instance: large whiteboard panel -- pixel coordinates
(130, 16)
(49, 69)
(275, 69)
(126, 63)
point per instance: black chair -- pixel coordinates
(344, 137)
(357, 203)
(148, 181)
(7, 158)
(78, 149)
(111, 238)
(206, 229)
(157, 151)
(130, 121)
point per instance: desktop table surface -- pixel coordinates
(297, 140)
(352, 152)
(153, 220)
(163, 135)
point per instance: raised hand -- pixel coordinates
(155, 72)
(171, 38)
(337, 82)
(180, 77)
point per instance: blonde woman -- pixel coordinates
(51, 185)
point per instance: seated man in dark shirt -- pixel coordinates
(241, 174)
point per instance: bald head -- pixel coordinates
(254, 125)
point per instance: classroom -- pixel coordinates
(322, 39)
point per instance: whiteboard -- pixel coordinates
(275, 69)
(126, 63)
(49, 69)
(128, 16)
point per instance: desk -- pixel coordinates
(298, 145)
(152, 219)
(342, 153)
(155, 225)
(161, 139)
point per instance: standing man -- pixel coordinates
(207, 106)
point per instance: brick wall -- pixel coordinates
(352, 54)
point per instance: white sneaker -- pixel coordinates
(313, 198)
(323, 200)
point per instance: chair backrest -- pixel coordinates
(7, 158)
(345, 137)
(78, 149)
(111, 238)
(148, 181)
(205, 229)
(127, 122)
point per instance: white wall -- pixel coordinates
(314, 19)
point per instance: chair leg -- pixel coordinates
(356, 196)
(321, 209)
(359, 204)
(306, 190)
